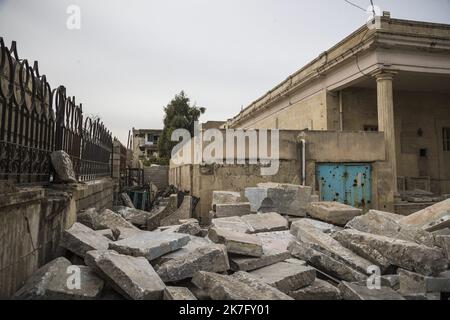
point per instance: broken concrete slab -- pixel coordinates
(150, 245)
(277, 197)
(182, 213)
(120, 233)
(211, 258)
(325, 262)
(277, 240)
(441, 223)
(239, 286)
(224, 197)
(237, 209)
(381, 223)
(427, 216)
(266, 222)
(127, 200)
(133, 276)
(235, 242)
(80, 239)
(134, 216)
(286, 277)
(324, 226)
(77, 283)
(158, 214)
(305, 231)
(235, 224)
(319, 290)
(105, 219)
(414, 283)
(178, 294)
(107, 233)
(35, 287)
(391, 280)
(63, 166)
(190, 227)
(355, 291)
(444, 243)
(333, 212)
(389, 253)
(184, 252)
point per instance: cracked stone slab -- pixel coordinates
(318, 290)
(333, 212)
(80, 239)
(178, 294)
(354, 291)
(266, 222)
(238, 243)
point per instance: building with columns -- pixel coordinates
(390, 78)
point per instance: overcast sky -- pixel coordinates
(130, 57)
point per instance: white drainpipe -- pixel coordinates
(303, 141)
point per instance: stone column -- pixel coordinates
(386, 120)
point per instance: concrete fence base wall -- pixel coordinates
(32, 221)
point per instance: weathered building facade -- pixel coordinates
(145, 143)
(384, 87)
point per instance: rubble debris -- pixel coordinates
(90, 286)
(324, 226)
(355, 291)
(162, 212)
(80, 239)
(389, 253)
(319, 290)
(239, 286)
(286, 199)
(235, 242)
(134, 216)
(35, 287)
(325, 262)
(107, 233)
(105, 219)
(211, 258)
(285, 276)
(150, 245)
(235, 224)
(63, 166)
(127, 200)
(277, 240)
(305, 231)
(236, 209)
(178, 294)
(265, 222)
(413, 283)
(120, 233)
(438, 224)
(224, 197)
(333, 212)
(381, 223)
(430, 215)
(182, 213)
(133, 277)
(444, 243)
(391, 280)
(270, 256)
(189, 226)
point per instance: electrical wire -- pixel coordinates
(355, 5)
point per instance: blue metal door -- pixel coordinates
(349, 183)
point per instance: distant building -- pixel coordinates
(213, 125)
(145, 143)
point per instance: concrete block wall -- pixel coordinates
(32, 221)
(158, 175)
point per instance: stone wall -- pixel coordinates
(158, 175)
(32, 221)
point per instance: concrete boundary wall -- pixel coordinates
(32, 221)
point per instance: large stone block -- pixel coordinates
(282, 198)
(211, 258)
(224, 197)
(325, 262)
(266, 222)
(164, 211)
(133, 277)
(389, 253)
(354, 291)
(270, 256)
(235, 224)
(80, 239)
(239, 286)
(333, 212)
(150, 245)
(63, 166)
(182, 213)
(235, 242)
(306, 232)
(36, 286)
(237, 209)
(429, 217)
(178, 294)
(184, 252)
(319, 290)
(134, 216)
(414, 283)
(126, 200)
(286, 277)
(444, 243)
(381, 223)
(105, 219)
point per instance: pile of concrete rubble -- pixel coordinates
(279, 242)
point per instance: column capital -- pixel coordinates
(383, 74)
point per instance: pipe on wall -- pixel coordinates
(303, 142)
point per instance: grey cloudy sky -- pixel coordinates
(131, 57)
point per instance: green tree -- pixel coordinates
(179, 114)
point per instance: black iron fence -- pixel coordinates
(36, 120)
